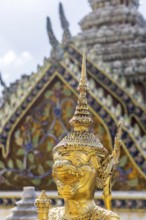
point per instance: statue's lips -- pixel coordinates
(66, 190)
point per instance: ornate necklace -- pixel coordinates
(87, 216)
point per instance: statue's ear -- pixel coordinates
(107, 165)
(95, 162)
(101, 178)
(99, 183)
(102, 173)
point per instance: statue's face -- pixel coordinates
(74, 175)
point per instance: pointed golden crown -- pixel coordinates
(81, 138)
(82, 120)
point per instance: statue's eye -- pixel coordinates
(64, 154)
(79, 162)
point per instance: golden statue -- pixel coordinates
(81, 164)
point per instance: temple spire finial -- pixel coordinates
(64, 25)
(82, 119)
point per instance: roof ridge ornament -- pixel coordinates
(53, 40)
(56, 52)
(65, 25)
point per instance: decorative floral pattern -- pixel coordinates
(126, 176)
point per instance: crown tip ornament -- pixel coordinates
(83, 80)
(82, 120)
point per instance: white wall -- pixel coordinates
(131, 215)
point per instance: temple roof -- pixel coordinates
(105, 92)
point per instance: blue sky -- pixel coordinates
(23, 38)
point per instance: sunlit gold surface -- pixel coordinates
(81, 164)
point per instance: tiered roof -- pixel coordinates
(115, 34)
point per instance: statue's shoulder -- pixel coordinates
(104, 214)
(99, 214)
(55, 213)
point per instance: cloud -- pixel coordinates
(13, 64)
(8, 58)
(11, 58)
(24, 58)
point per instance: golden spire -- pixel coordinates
(82, 120)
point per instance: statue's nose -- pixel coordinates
(61, 164)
